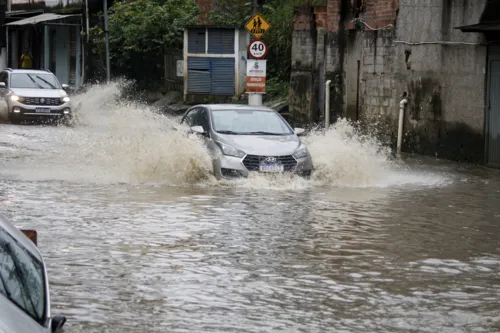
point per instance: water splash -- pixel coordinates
(114, 140)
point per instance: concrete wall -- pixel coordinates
(445, 83)
(303, 85)
(390, 40)
(244, 40)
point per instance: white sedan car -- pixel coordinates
(24, 286)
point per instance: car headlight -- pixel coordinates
(301, 152)
(66, 99)
(16, 98)
(230, 150)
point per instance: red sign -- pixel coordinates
(256, 84)
(257, 49)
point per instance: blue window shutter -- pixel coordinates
(196, 40)
(221, 41)
(198, 75)
(222, 72)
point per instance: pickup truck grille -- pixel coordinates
(42, 101)
(251, 162)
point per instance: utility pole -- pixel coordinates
(106, 32)
(256, 98)
(257, 6)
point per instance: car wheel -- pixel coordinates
(13, 120)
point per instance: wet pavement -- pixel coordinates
(138, 237)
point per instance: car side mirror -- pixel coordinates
(198, 129)
(2, 84)
(57, 323)
(65, 86)
(299, 131)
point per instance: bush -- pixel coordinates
(139, 33)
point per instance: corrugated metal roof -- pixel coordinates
(39, 18)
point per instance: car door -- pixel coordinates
(198, 116)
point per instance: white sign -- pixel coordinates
(180, 67)
(256, 67)
(257, 49)
(256, 76)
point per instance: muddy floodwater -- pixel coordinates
(138, 236)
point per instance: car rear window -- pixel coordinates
(22, 278)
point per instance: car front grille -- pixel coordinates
(42, 101)
(251, 162)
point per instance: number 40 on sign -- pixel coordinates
(257, 49)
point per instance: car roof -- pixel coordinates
(232, 107)
(20, 237)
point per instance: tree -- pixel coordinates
(139, 33)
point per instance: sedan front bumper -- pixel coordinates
(230, 166)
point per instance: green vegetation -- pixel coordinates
(279, 14)
(139, 33)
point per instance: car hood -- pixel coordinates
(51, 93)
(267, 145)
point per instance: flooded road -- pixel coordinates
(139, 237)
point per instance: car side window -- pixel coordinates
(190, 117)
(3, 78)
(202, 119)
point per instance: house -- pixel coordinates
(442, 54)
(52, 31)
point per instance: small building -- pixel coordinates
(214, 61)
(54, 41)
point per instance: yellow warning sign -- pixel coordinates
(257, 26)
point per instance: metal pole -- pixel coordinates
(108, 70)
(402, 105)
(327, 104)
(87, 19)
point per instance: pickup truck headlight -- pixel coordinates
(16, 98)
(65, 99)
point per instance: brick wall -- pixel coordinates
(375, 13)
(333, 15)
(205, 6)
(320, 13)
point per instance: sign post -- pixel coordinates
(256, 67)
(256, 81)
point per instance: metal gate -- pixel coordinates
(493, 114)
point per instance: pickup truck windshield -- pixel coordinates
(22, 280)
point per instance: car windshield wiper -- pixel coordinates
(263, 133)
(50, 84)
(32, 79)
(228, 132)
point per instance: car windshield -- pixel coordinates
(34, 81)
(249, 122)
(22, 279)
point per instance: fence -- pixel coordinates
(172, 81)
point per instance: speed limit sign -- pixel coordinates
(257, 49)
